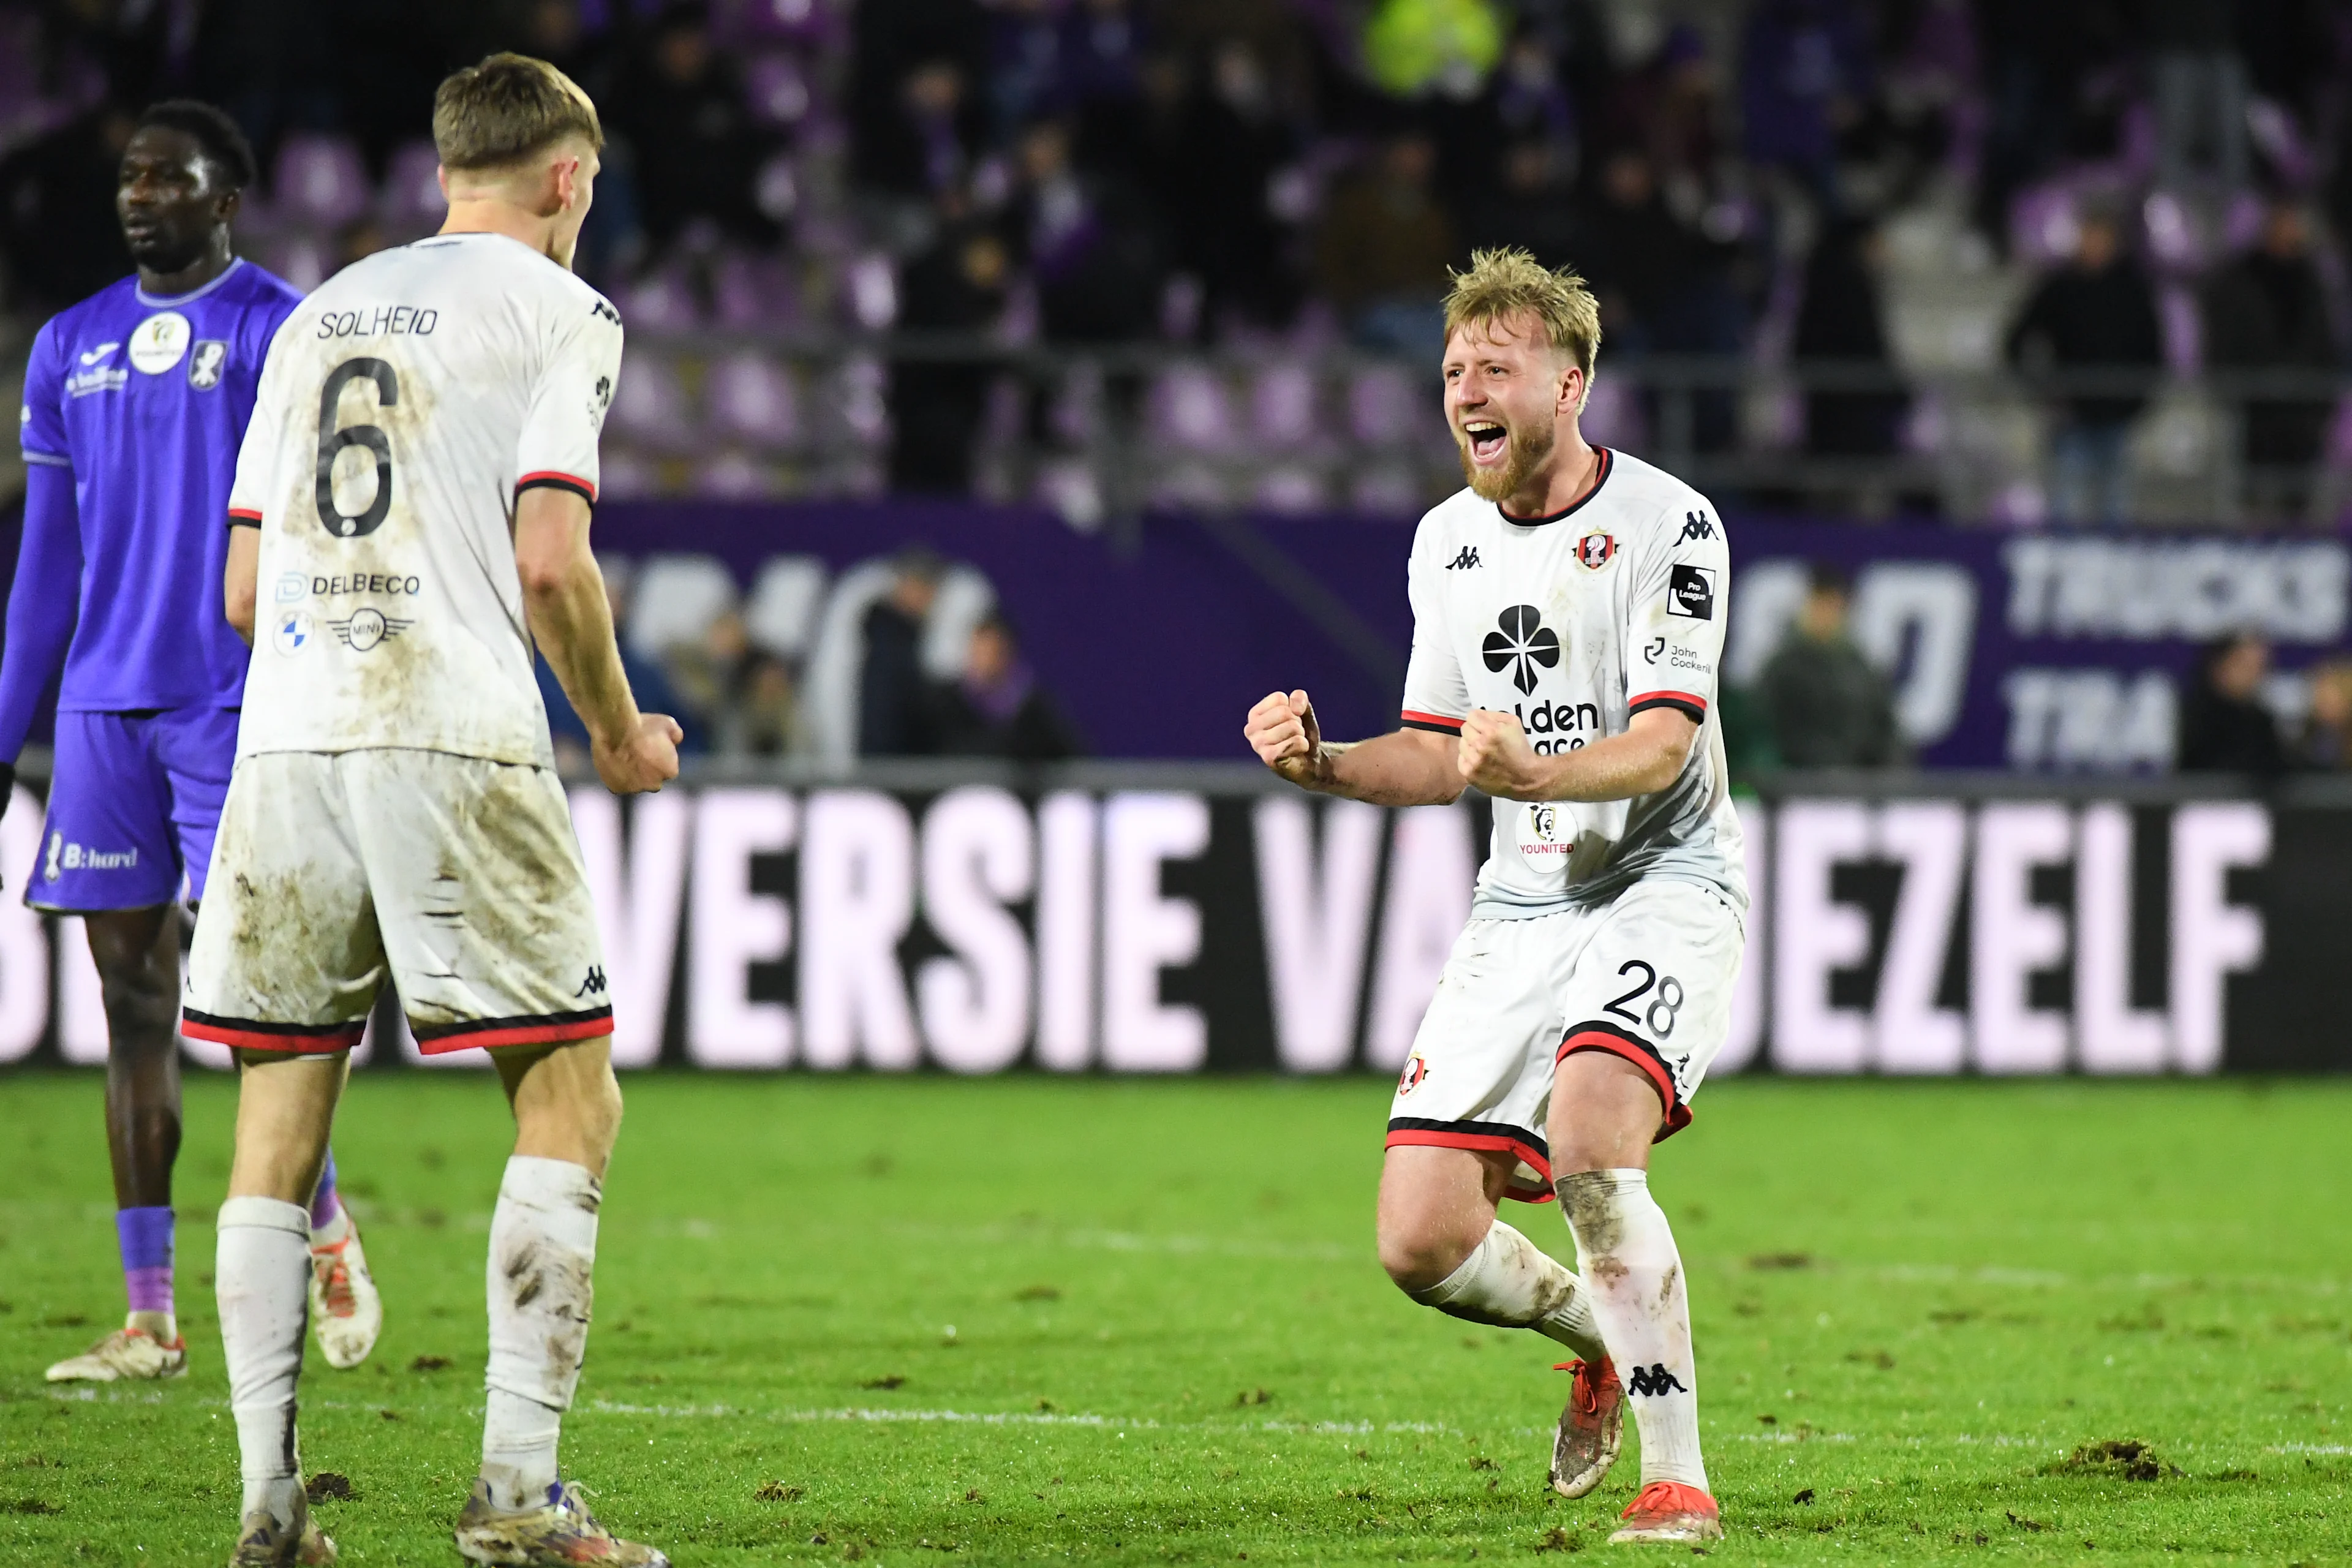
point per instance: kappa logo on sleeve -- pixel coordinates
(1696, 525)
(1690, 592)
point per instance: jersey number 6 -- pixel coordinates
(332, 442)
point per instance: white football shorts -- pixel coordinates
(458, 880)
(1647, 978)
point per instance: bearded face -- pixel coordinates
(1504, 388)
(1497, 458)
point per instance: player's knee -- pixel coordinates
(1418, 1256)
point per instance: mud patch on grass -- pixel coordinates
(329, 1486)
(2115, 1459)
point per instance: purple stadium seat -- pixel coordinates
(2042, 224)
(777, 88)
(410, 202)
(1190, 411)
(301, 259)
(320, 181)
(781, 19)
(751, 398)
(734, 476)
(1614, 416)
(2183, 328)
(662, 302)
(754, 291)
(650, 408)
(870, 286)
(1282, 407)
(2175, 236)
(1290, 491)
(1381, 405)
(855, 392)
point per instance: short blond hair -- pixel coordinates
(1506, 283)
(500, 112)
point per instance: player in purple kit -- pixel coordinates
(136, 402)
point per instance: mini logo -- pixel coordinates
(57, 853)
(204, 366)
(1465, 560)
(91, 356)
(1650, 654)
(159, 343)
(592, 986)
(293, 587)
(1545, 831)
(293, 633)
(1690, 592)
(366, 628)
(1696, 527)
(1521, 641)
(1415, 1069)
(1596, 550)
(1653, 1380)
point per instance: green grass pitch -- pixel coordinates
(922, 1320)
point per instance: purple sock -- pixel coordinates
(145, 1235)
(324, 1205)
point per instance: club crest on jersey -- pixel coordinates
(1415, 1069)
(1596, 550)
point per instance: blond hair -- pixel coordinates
(1501, 284)
(500, 112)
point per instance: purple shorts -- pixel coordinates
(133, 808)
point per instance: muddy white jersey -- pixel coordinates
(1575, 623)
(403, 407)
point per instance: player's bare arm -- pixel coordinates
(1497, 756)
(240, 590)
(572, 621)
(1405, 767)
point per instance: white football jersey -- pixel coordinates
(403, 407)
(1575, 623)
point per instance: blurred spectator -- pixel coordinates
(997, 709)
(2326, 744)
(1841, 325)
(1092, 247)
(955, 285)
(1803, 77)
(697, 152)
(2035, 55)
(1830, 708)
(763, 719)
(1381, 253)
(893, 701)
(2098, 312)
(2200, 90)
(925, 143)
(1415, 46)
(58, 227)
(1234, 139)
(1102, 54)
(1531, 210)
(1663, 286)
(1025, 64)
(2268, 310)
(2225, 726)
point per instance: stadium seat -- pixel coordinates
(650, 406)
(2182, 326)
(1283, 408)
(411, 201)
(754, 291)
(855, 394)
(1289, 490)
(749, 396)
(2173, 234)
(675, 599)
(625, 476)
(2042, 224)
(734, 476)
(320, 181)
(1613, 414)
(870, 287)
(301, 257)
(781, 18)
(1381, 405)
(663, 301)
(1189, 411)
(781, 614)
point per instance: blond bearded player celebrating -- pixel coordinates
(412, 498)
(1567, 619)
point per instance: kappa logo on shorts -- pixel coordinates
(592, 986)
(1653, 1380)
(1415, 1070)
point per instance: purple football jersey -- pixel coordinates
(146, 400)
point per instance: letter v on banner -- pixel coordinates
(637, 888)
(1317, 912)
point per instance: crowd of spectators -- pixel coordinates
(1305, 171)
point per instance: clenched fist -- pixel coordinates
(1283, 732)
(1496, 757)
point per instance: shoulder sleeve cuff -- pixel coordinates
(47, 459)
(244, 516)
(1437, 722)
(1690, 707)
(553, 479)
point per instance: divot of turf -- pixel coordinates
(2114, 1458)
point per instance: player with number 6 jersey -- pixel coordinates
(409, 523)
(1568, 625)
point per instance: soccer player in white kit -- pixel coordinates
(1568, 623)
(410, 517)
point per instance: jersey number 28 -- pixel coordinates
(332, 442)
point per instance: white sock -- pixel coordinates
(333, 1231)
(1510, 1282)
(1625, 1250)
(542, 1260)
(262, 1281)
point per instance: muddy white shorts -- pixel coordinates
(458, 880)
(1647, 978)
